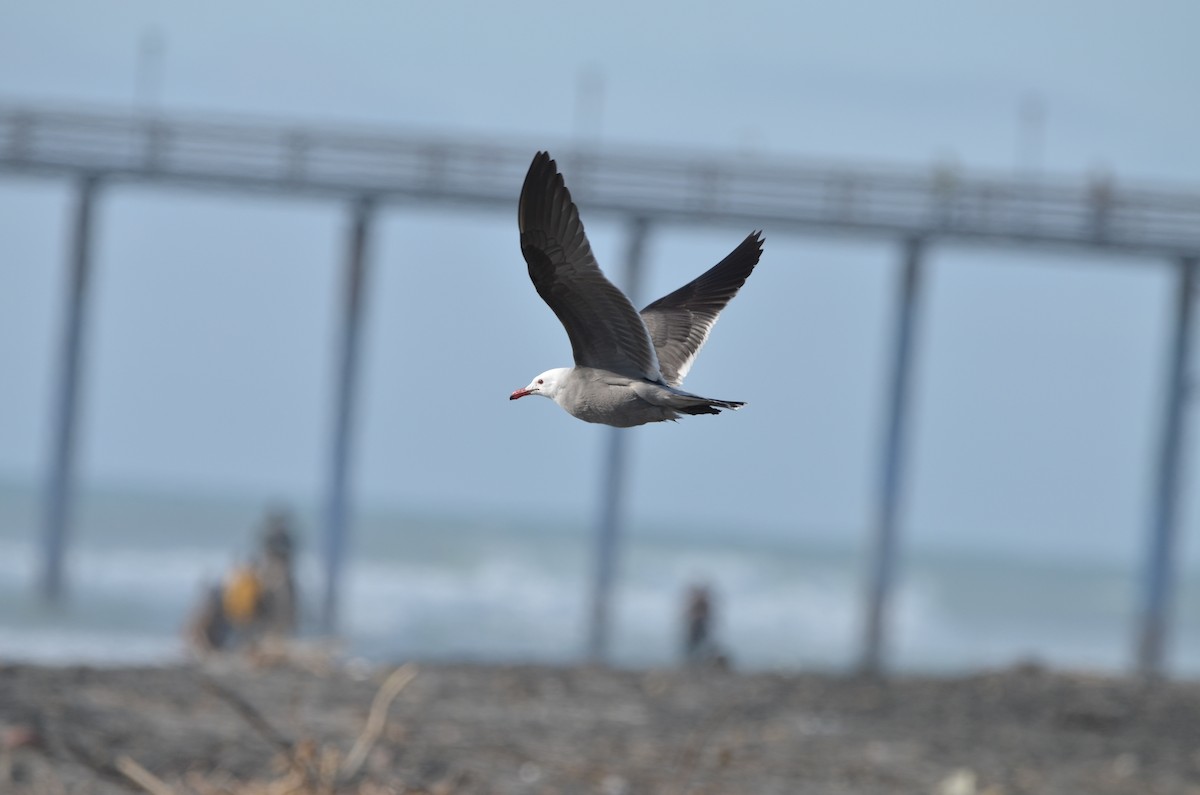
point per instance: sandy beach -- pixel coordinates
(231, 726)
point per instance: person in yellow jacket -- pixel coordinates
(241, 597)
(256, 601)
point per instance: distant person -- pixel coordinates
(276, 608)
(256, 601)
(209, 630)
(697, 624)
(228, 615)
(699, 647)
(240, 599)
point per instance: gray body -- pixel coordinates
(609, 398)
(628, 365)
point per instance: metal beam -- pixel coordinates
(60, 481)
(337, 505)
(663, 186)
(1160, 575)
(612, 500)
(891, 481)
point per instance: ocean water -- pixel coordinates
(487, 588)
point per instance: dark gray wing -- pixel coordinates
(605, 330)
(679, 323)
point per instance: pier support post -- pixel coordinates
(612, 499)
(60, 481)
(1158, 583)
(884, 549)
(345, 389)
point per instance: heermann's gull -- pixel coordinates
(628, 366)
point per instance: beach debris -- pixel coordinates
(249, 714)
(612, 784)
(1125, 765)
(961, 781)
(469, 729)
(139, 775)
(19, 736)
(529, 772)
(309, 768)
(376, 719)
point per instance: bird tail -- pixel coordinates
(669, 397)
(709, 406)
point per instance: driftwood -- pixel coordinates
(311, 769)
(142, 777)
(376, 719)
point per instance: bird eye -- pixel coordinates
(539, 380)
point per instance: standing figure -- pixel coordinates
(276, 611)
(697, 644)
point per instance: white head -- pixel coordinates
(547, 384)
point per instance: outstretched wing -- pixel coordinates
(606, 331)
(679, 323)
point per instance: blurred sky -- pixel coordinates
(209, 349)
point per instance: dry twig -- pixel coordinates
(376, 719)
(251, 715)
(141, 776)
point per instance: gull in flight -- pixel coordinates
(629, 366)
